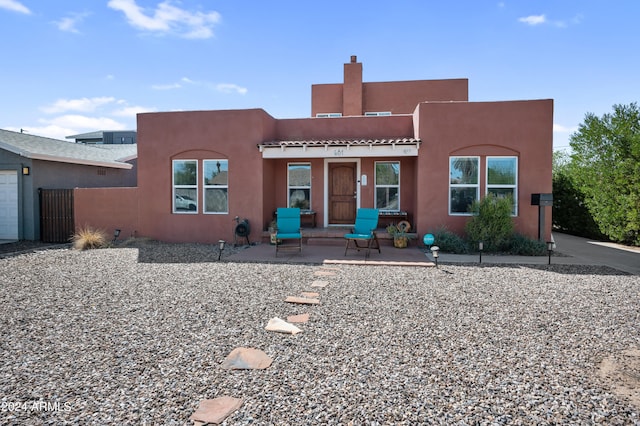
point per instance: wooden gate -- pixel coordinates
(56, 215)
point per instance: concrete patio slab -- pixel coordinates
(332, 255)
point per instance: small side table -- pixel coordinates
(308, 215)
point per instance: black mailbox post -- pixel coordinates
(541, 200)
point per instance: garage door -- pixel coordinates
(8, 205)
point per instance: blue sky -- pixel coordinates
(74, 66)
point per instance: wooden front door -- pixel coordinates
(342, 193)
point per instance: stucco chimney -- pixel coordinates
(352, 88)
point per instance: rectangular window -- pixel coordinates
(502, 178)
(377, 114)
(216, 186)
(328, 114)
(388, 186)
(463, 183)
(185, 186)
(299, 183)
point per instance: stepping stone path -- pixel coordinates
(216, 410)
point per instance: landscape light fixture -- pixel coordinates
(221, 244)
(550, 245)
(434, 252)
(116, 234)
(480, 248)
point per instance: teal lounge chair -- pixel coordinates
(288, 228)
(364, 232)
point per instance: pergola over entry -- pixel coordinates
(406, 147)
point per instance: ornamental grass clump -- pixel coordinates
(89, 238)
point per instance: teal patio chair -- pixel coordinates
(364, 232)
(288, 228)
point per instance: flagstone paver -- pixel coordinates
(281, 326)
(310, 294)
(324, 273)
(215, 410)
(319, 284)
(246, 359)
(302, 300)
(300, 318)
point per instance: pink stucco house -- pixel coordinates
(418, 150)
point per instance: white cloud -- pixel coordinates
(563, 129)
(230, 88)
(14, 6)
(533, 19)
(219, 87)
(131, 111)
(81, 105)
(170, 86)
(167, 18)
(49, 131)
(74, 121)
(68, 23)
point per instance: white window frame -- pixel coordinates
(377, 113)
(328, 114)
(290, 187)
(463, 185)
(489, 186)
(217, 186)
(376, 186)
(174, 186)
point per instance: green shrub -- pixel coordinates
(89, 238)
(492, 223)
(449, 242)
(521, 245)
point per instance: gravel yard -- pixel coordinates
(136, 335)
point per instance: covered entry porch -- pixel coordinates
(330, 179)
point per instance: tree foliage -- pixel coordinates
(570, 213)
(605, 166)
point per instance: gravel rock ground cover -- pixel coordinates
(136, 335)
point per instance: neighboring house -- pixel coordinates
(107, 137)
(29, 163)
(414, 148)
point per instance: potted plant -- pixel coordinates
(273, 229)
(400, 233)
